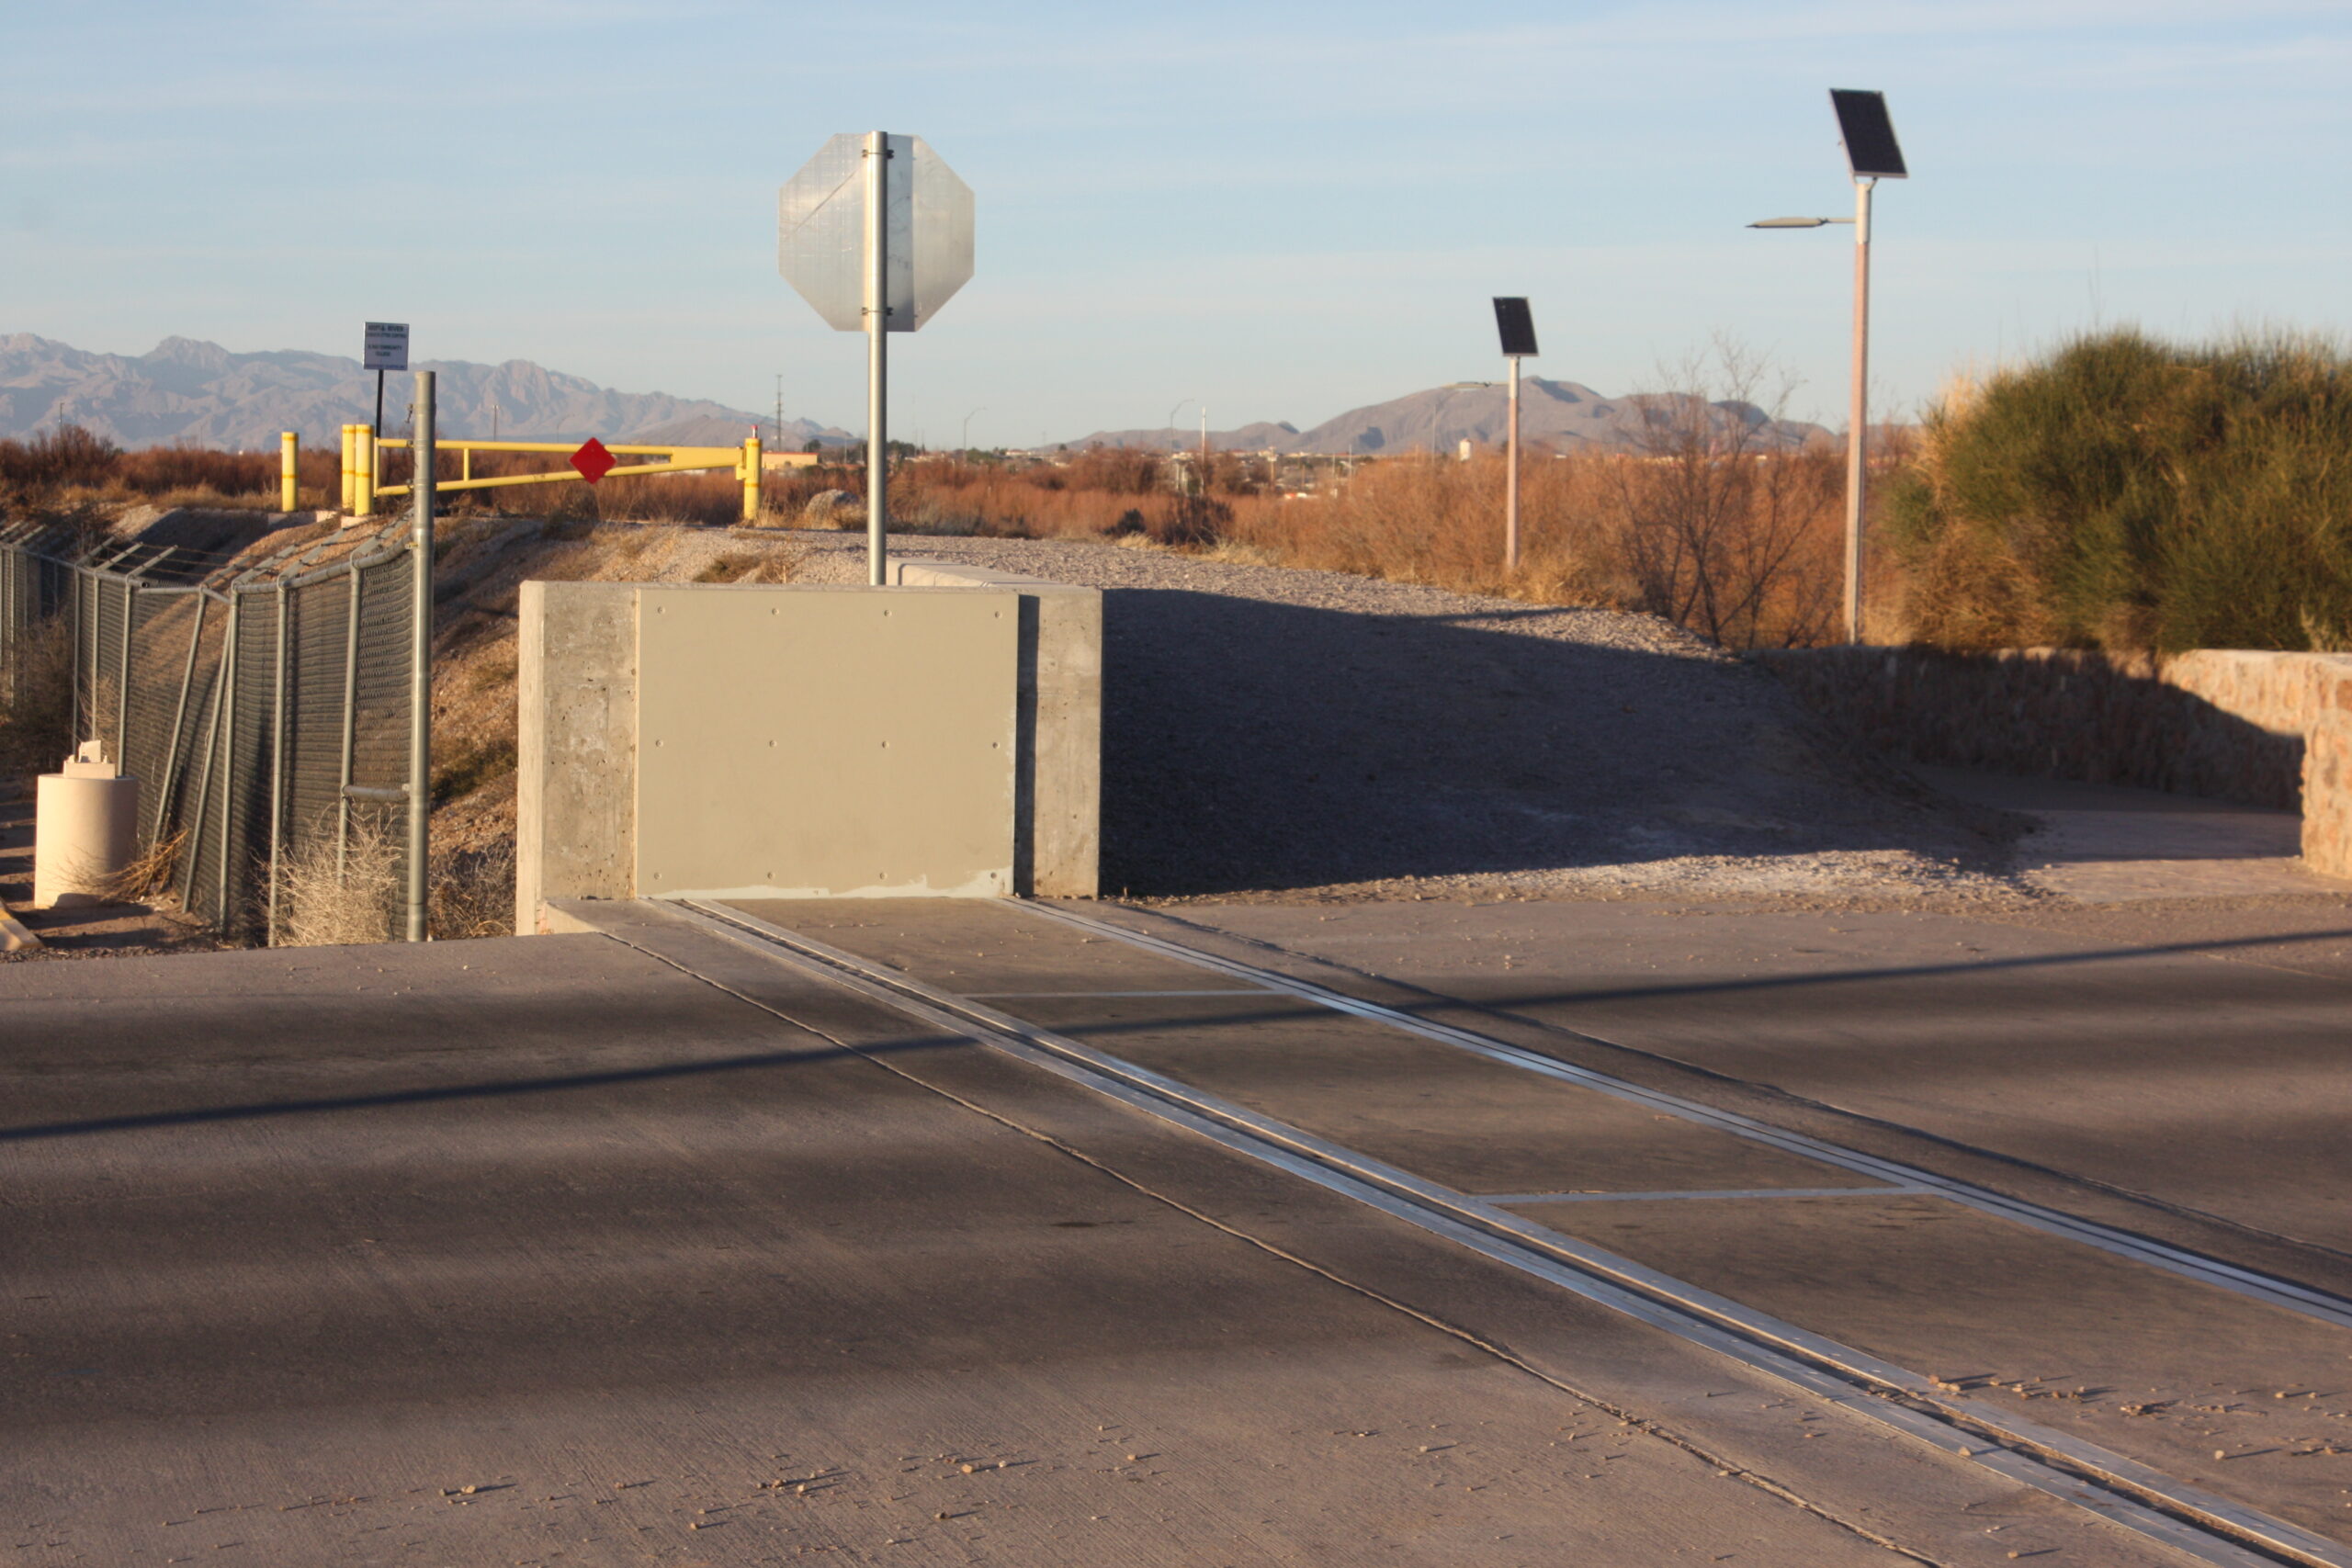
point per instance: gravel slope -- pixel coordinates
(1270, 731)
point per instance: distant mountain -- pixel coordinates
(1260, 437)
(1560, 414)
(202, 394)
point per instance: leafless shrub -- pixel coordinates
(1723, 528)
(149, 875)
(340, 897)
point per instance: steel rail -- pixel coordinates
(2283, 1293)
(2134, 1496)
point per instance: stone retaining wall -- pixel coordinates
(2266, 729)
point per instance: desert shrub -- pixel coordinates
(331, 896)
(68, 455)
(1722, 526)
(160, 470)
(2129, 493)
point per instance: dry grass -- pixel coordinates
(147, 877)
(473, 893)
(328, 898)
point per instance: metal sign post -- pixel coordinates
(1516, 325)
(876, 232)
(878, 356)
(420, 685)
(384, 347)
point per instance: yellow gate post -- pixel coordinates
(363, 471)
(288, 446)
(750, 479)
(346, 470)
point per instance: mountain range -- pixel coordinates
(200, 394)
(1563, 415)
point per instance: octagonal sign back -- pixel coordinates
(820, 232)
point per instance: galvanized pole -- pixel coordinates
(1858, 412)
(878, 310)
(179, 721)
(420, 681)
(350, 721)
(278, 767)
(122, 682)
(225, 713)
(1511, 482)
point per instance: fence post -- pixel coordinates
(204, 778)
(420, 689)
(179, 720)
(226, 709)
(122, 683)
(350, 725)
(751, 479)
(76, 583)
(276, 768)
(289, 446)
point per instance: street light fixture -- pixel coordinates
(1872, 155)
(1516, 325)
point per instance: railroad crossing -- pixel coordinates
(969, 1231)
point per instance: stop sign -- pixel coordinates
(927, 238)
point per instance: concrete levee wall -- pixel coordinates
(785, 674)
(2266, 729)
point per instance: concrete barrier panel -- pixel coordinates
(946, 738)
(825, 743)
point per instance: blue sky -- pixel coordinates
(1284, 211)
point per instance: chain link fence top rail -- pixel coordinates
(262, 702)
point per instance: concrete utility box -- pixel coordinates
(777, 741)
(85, 830)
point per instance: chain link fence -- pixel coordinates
(262, 702)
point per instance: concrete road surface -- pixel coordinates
(649, 1248)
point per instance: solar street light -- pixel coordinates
(1871, 154)
(1516, 325)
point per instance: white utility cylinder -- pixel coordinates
(85, 830)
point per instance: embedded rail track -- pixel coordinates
(1916, 1405)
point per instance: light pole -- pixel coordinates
(1516, 324)
(968, 428)
(1872, 155)
(1174, 445)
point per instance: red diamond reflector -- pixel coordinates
(593, 461)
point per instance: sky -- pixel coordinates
(1282, 212)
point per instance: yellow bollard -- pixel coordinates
(346, 470)
(288, 447)
(363, 471)
(750, 479)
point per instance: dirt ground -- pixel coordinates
(95, 930)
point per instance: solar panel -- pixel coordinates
(1871, 146)
(1517, 324)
